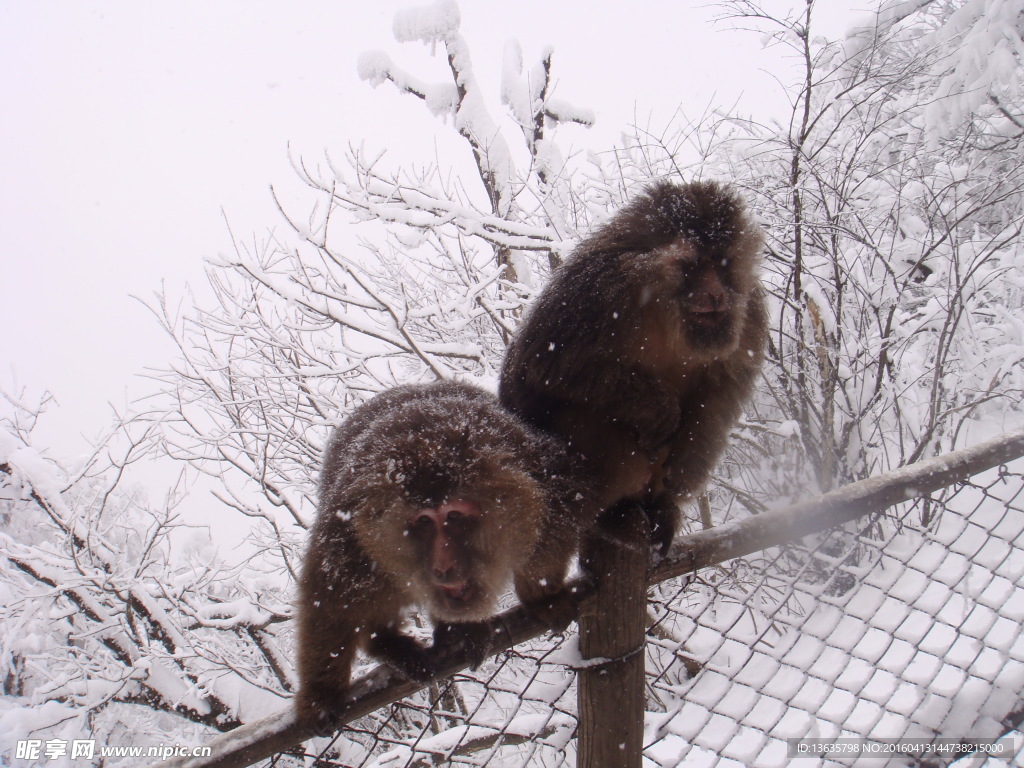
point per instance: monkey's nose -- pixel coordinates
(715, 299)
(708, 303)
(443, 576)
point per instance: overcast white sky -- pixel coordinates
(130, 130)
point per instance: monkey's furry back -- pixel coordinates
(423, 444)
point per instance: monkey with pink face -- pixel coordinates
(430, 496)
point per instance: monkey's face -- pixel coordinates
(445, 540)
(442, 501)
(698, 298)
(455, 558)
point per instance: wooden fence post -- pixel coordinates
(612, 624)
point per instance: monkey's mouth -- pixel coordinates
(457, 594)
(712, 318)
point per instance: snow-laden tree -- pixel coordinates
(897, 252)
(119, 622)
(976, 76)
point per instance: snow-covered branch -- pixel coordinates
(529, 97)
(95, 576)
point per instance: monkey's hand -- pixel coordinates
(663, 515)
(404, 654)
(552, 606)
(474, 638)
(316, 706)
(557, 610)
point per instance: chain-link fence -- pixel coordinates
(907, 627)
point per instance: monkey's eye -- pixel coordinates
(458, 523)
(421, 523)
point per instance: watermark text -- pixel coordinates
(87, 749)
(949, 749)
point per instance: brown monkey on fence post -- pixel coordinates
(432, 496)
(644, 346)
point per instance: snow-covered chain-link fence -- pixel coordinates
(908, 626)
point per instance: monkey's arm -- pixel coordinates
(707, 419)
(713, 404)
(342, 604)
(327, 643)
(540, 578)
(325, 658)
